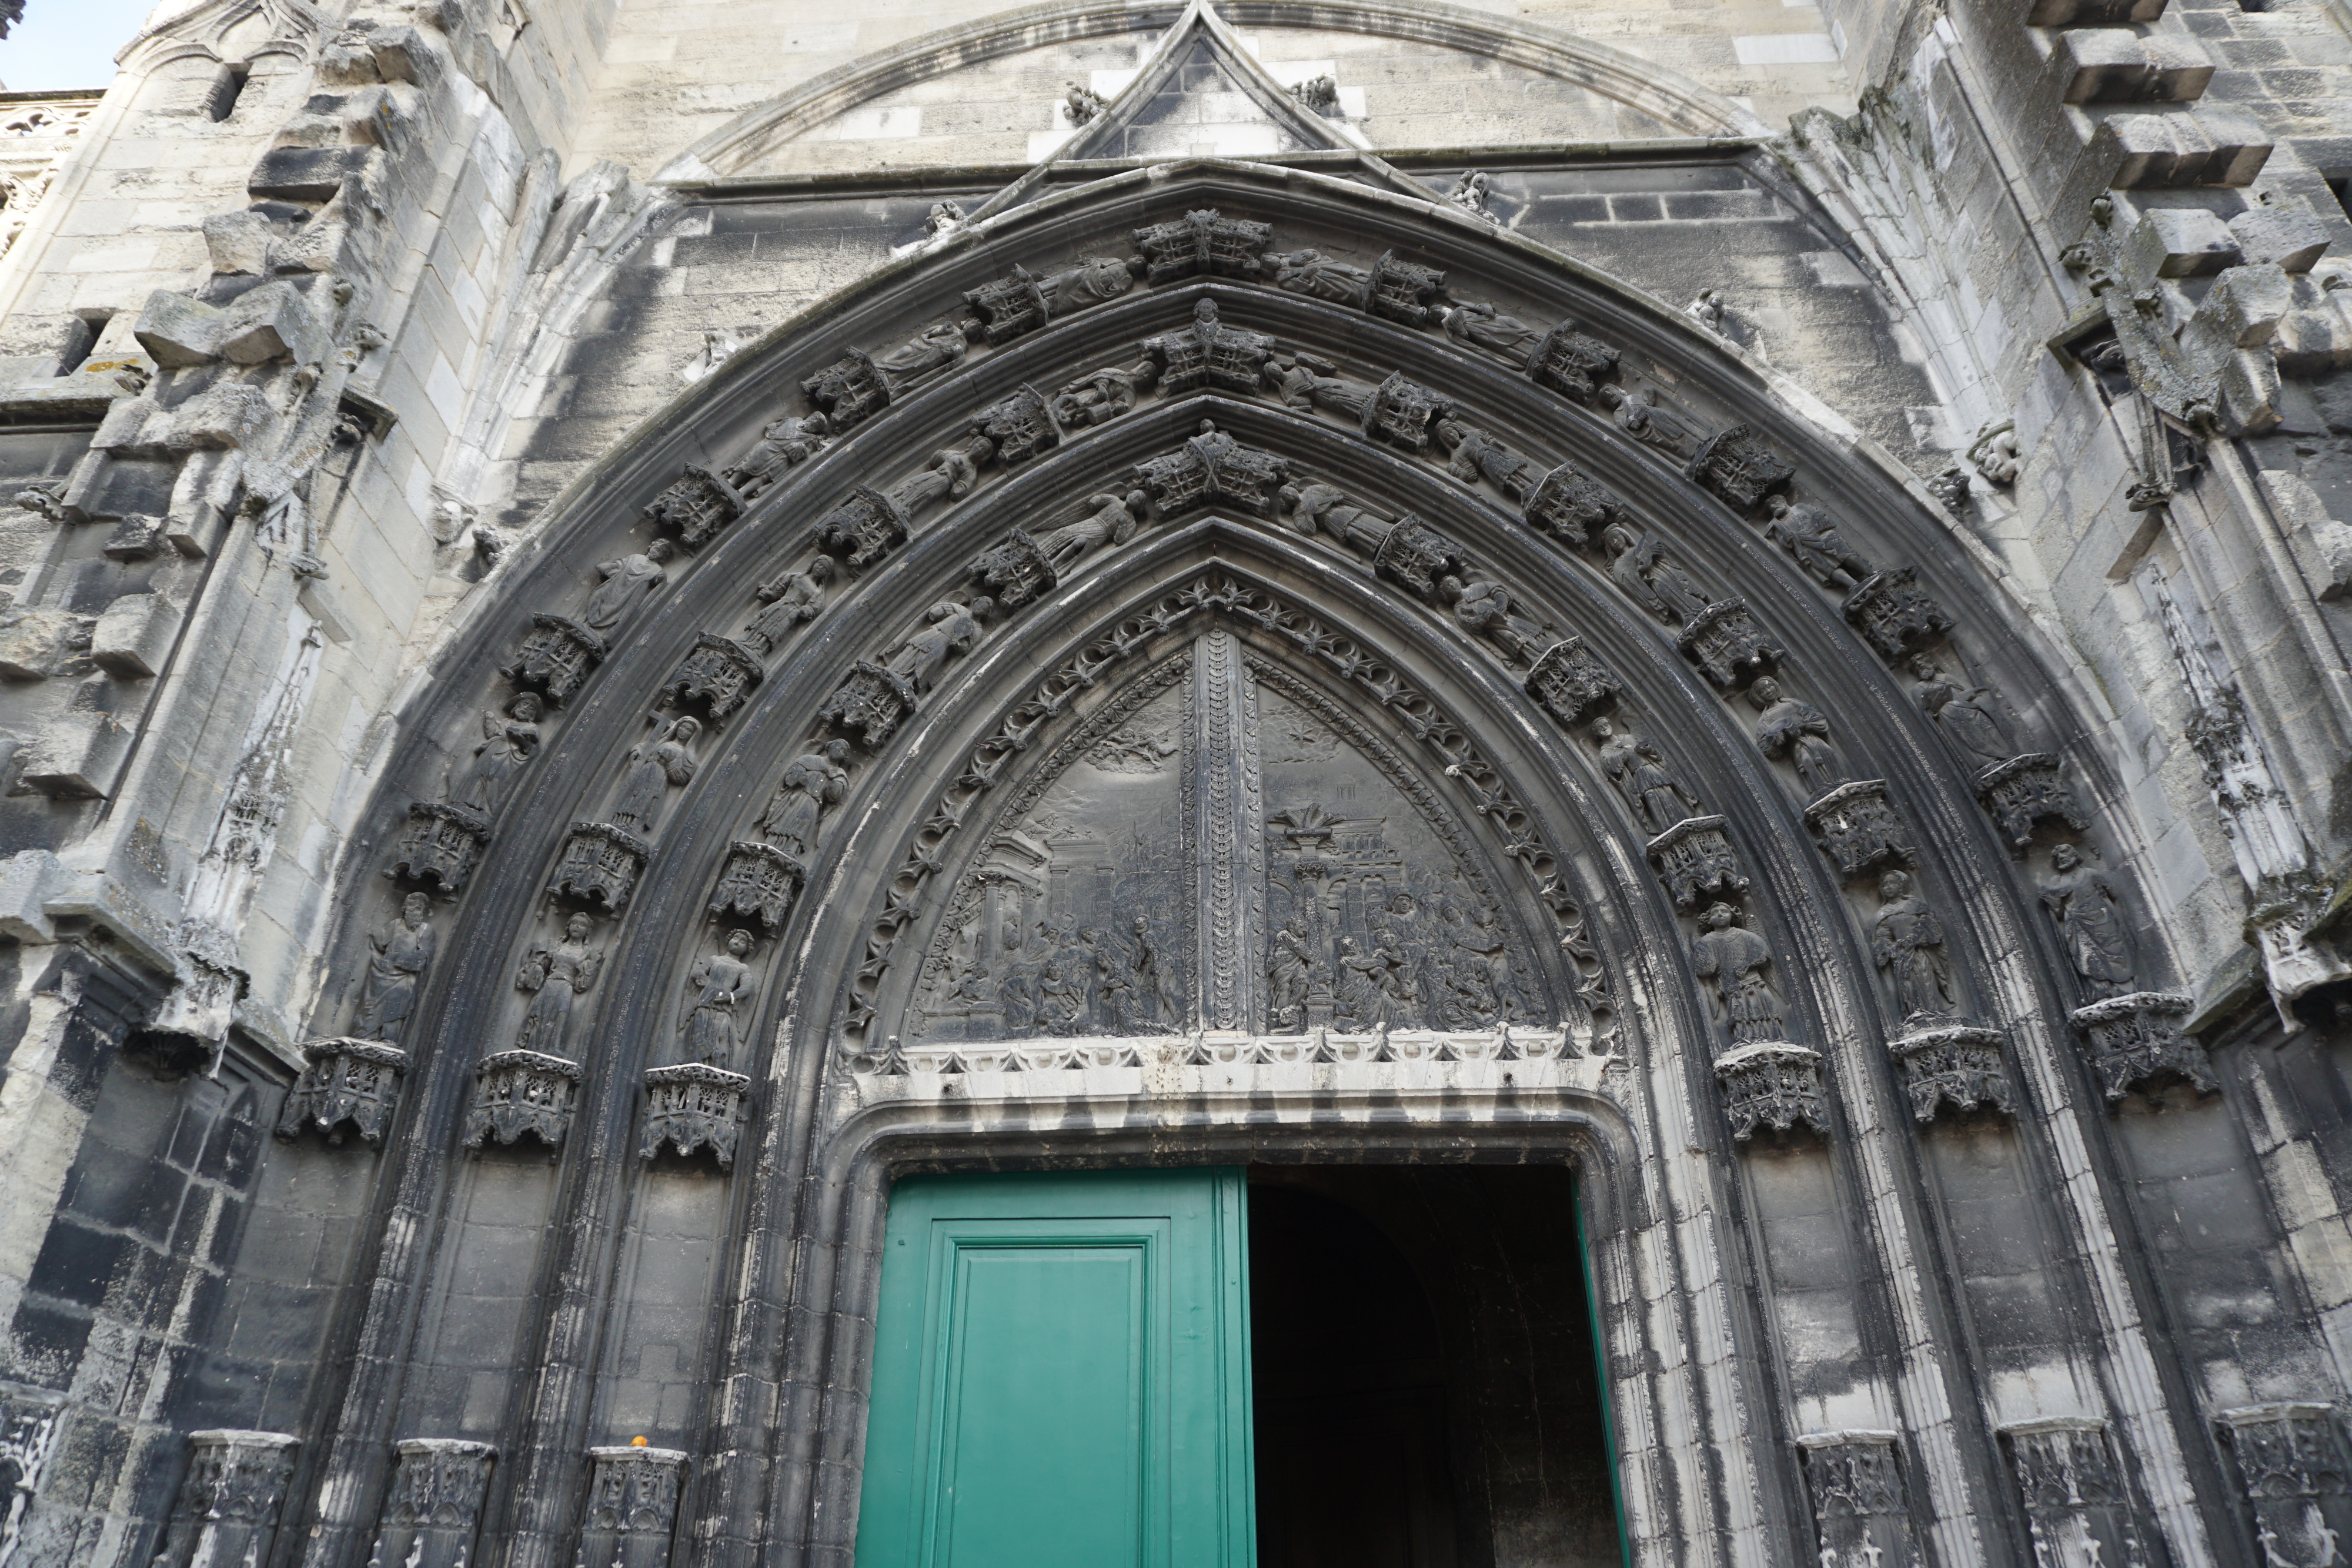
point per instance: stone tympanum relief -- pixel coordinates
(1221, 846)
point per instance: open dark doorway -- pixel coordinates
(1424, 1385)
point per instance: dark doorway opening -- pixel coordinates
(1424, 1385)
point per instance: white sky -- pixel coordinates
(68, 43)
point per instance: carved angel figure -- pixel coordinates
(1484, 610)
(1649, 577)
(1100, 396)
(628, 581)
(509, 740)
(795, 438)
(400, 958)
(1114, 518)
(1970, 715)
(1309, 273)
(792, 600)
(1907, 941)
(1808, 533)
(1635, 765)
(935, 348)
(556, 974)
(1480, 325)
(1800, 731)
(949, 627)
(1739, 962)
(813, 782)
(1308, 381)
(2087, 904)
(665, 762)
(714, 986)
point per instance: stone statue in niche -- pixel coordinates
(1113, 520)
(555, 975)
(2088, 905)
(1907, 941)
(658, 766)
(1968, 715)
(794, 439)
(1739, 962)
(1484, 610)
(1469, 194)
(1304, 382)
(1102, 396)
(1808, 533)
(949, 628)
(396, 967)
(937, 347)
(1478, 324)
(628, 581)
(714, 986)
(1801, 733)
(509, 740)
(1406, 550)
(813, 782)
(1649, 577)
(791, 600)
(1633, 764)
(1311, 273)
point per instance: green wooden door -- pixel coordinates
(1061, 1375)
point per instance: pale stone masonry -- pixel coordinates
(1747, 596)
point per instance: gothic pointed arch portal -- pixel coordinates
(1220, 664)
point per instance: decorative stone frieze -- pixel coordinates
(691, 1106)
(1860, 1517)
(760, 880)
(518, 1092)
(346, 1081)
(631, 1512)
(439, 845)
(1893, 614)
(601, 865)
(1738, 467)
(717, 675)
(1858, 826)
(556, 656)
(1954, 1064)
(435, 1504)
(1571, 682)
(229, 1505)
(1772, 1083)
(695, 506)
(1694, 860)
(2136, 1036)
(1314, 1047)
(2293, 1474)
(2076, 1507)
(1723, 641)
(2027, 789)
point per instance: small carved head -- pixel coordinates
(820, 570)
(578, 927)
(837, 752)
(1764, 694)
(659, 552)
(1602, 729)
(1719, 915)
(1924, 667)
(1205, 311)
(1894, 885)
(528, 707)
(686, 728)
(2064, 858)
(1618, 539)
(415, 909)
(739, 942)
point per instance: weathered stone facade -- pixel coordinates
(1748, 597)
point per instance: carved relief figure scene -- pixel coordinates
(1193, 784)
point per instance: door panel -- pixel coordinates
(1061, 1375)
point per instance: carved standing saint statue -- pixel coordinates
(792, 600)
(395, 968)
(664, 763)
(1323, 507)
(1309, 273)
(556, 974)
(1304, 382)
(1907, 940)
(628, 581)
(1155, 997)
(813, 781)
(1102, 396)
(1739, 962)
(714, 986)
(508, 739)
(1810, 534)
(2089, 908)
(949, 627)
(1480, 325)
(1287, 976)
(795, 438)
(1800, 732)
(1970, 715)
(1635, 765)
(1484, 609)
(1649, 577)
(1114, 518)
(936, 347)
